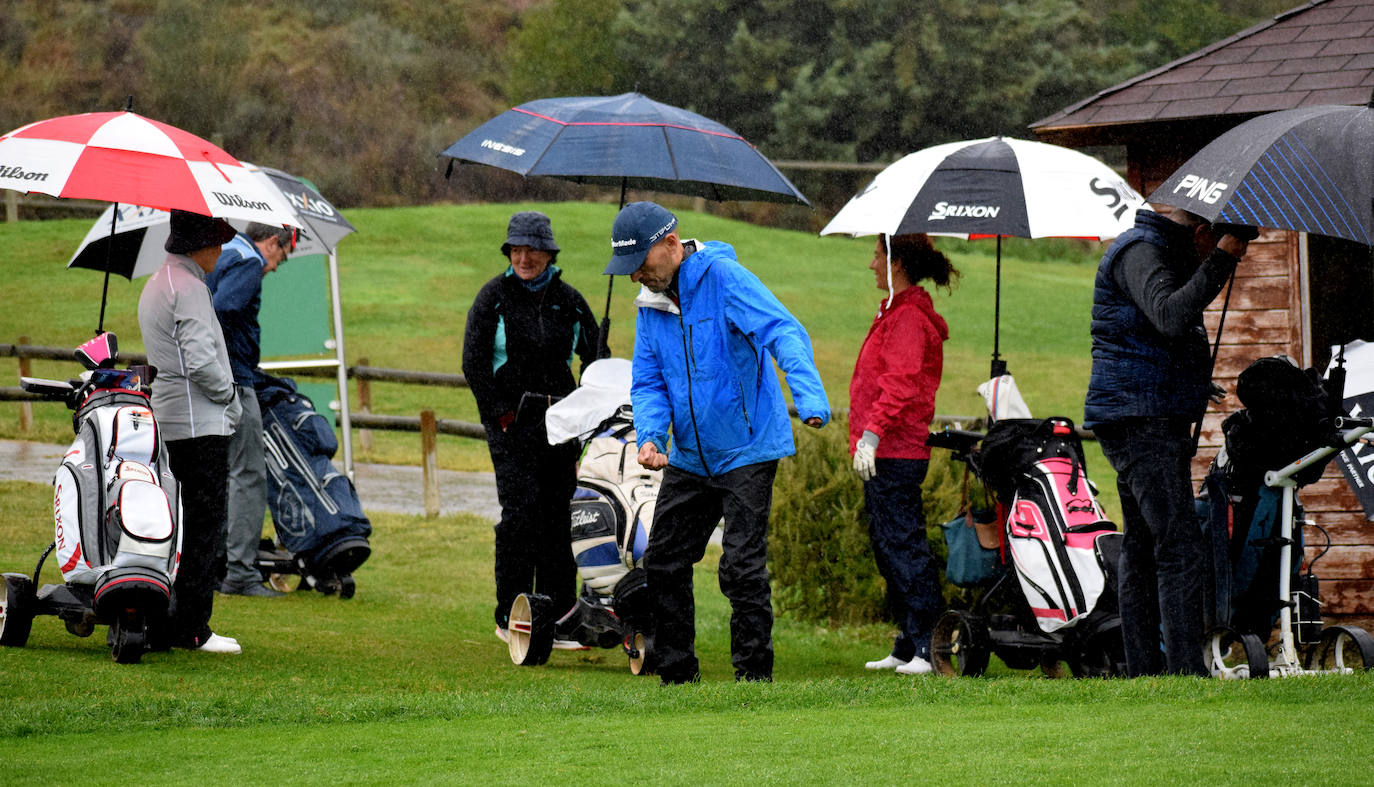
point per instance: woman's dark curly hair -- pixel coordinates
(920, 260)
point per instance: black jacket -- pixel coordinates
(518, 341)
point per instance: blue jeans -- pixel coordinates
(897, 531)
(1162, 566)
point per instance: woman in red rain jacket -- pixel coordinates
(892, 402)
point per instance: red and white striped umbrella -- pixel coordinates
(127, 158)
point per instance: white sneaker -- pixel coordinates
(890, 662)
(502, 634)
(218, 644)
(917, 666)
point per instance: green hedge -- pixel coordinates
(819, 554)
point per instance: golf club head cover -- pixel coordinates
(100, 352)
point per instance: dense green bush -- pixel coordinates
(819, 554)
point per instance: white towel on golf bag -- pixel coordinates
(1003, 398)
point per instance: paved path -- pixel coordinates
(387, 488)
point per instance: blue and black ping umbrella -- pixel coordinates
(1308, 170)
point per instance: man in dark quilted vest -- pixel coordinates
(1151, 379)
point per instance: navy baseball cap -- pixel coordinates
(637, 227)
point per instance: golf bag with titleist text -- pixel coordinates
(322, 533)
(611, 511)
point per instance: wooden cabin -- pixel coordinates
(1294, 293)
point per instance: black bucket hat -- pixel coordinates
(529, 228)
(192, 231)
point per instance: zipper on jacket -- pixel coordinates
(691, 407)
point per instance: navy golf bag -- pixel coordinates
(322, 533)
(116, 512)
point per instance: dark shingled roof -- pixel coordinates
(1319, 53)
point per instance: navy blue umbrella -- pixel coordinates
(1309, 169)
(629, 141)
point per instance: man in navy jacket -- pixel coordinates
(236, 287)
(1151, 378)
(706, 336)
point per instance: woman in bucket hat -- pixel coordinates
(523, 330)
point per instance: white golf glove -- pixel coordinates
(865, 454)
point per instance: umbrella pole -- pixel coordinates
(1216, 347)
(603, 344)
(999, 366)
(109, 254)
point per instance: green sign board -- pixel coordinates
(296, 319)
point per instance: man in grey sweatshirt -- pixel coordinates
(197, 408)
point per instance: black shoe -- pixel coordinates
(249, 589)
(679, 680)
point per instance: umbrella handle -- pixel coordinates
(1216, 347)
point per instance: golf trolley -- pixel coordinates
(116, 511)
(611, 511)
(1255, 525)
(1047, 594)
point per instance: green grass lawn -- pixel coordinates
(405, 684)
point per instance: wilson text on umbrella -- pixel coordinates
(19, 173)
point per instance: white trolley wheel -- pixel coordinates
(529, 630)
(1230, 654)
(637, 648)
(1342, 650)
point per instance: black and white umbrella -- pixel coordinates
(136, 247)
(993, 188)
(1309, 170)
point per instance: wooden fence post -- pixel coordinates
(11, 205)
(25, 408)
(429, 431)
(364, 406)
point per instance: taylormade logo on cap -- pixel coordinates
(637, 228)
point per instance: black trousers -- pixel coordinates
(689, 507)
(534, 484)
(1163, 558)
(201, 466)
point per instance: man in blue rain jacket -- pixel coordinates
(706, 331)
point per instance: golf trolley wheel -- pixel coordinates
(959, 644)
(1229, 654)
(1052, 665)
(347, 587)
(281, 582)
(1342, 650)
(17, 601)
(637, 647)
(1102, 655)
(530, 629)
(128, 637)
